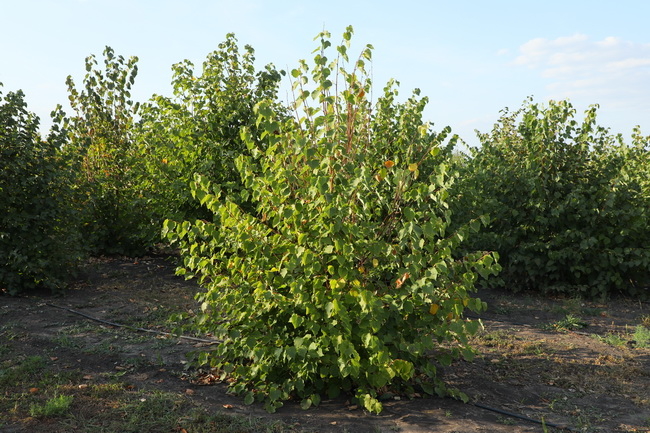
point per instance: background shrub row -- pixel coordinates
(568, 199)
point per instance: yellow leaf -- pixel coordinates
(362, 269)
(413, 167)
(375, 262)
(434, 309)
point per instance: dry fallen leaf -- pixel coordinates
(33, 390)
(401, 280)
(189, 391)
(227, 406)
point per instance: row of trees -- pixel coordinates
(569, 201)
(109, 173)
(339, 238)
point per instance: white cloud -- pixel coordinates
(612, 70)
(629, 63)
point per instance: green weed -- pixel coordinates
(569, 323)
(568, 306)
(642, 336)
(65, 341)
(505, 421)
(80, 328)
(105, 347)
(14, 373)
(106, 390)
(611, 339)
(501, 310)
(8, 332)
(55, 406)
(497, 339)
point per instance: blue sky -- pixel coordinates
(471, 58)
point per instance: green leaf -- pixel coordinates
(403, 369)
(370, 403)
(296, 320)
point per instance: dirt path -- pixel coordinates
(593, 378)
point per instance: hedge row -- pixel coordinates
(568, 200)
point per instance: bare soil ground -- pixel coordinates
(572, 363)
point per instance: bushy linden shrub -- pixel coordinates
(333, 269)
(101, 146)
(569, 202)
(133, 175)
(39, 242)
(197, 130)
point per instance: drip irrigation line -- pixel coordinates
(512, 414)
(523, 417)
(134, 328)
(202, 340)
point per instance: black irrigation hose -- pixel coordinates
(119, 325)
(523, 417)
(512, 414)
